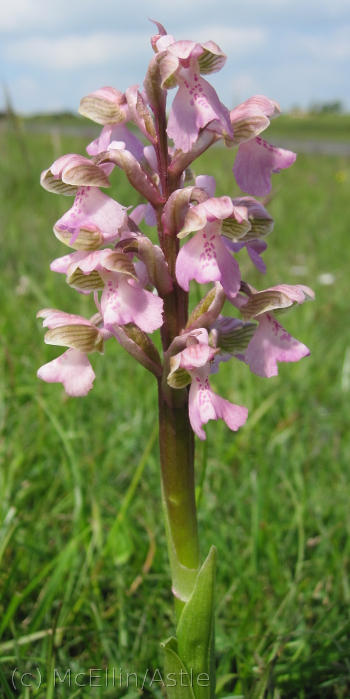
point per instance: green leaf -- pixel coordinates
(175, 673)
(224, 679)
(195, 632)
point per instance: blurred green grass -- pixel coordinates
(276, 495)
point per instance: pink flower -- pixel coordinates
(72, 171)
(123, 298)
(105, 106)
(205, 257)
(271, 343)
(73, 370)
(82, 336)
(204, 404)
(93, 211)
(252, 117)
(119, 135)
(196, 104)
(255, 161)
(123, 302)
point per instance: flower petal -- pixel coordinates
(254, 249)
(234, 415)
(250, 118)
(255, 161)
(197, 260)
(206, 182)
(123, 303)
(119, 133)
(196, 356)
(206, 405)
(212, 59)
(206, 259)
(270, 344)
(96, 210)
(73, 370)
(200, 405)
(61, 264)
(260, 220)
(105, 106)
(195, 105)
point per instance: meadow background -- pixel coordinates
(84, 579)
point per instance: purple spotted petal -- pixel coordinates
(94, 210)
(123, 303)
(73, 370)
(195, 105)
(255, 161)
(206, 405)
(206, 259)
(270, 344)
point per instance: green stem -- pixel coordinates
(176, 438)
(176, 442)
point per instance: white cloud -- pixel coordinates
(74, 52)
(25, 14)
(233, 40)
(334, 46)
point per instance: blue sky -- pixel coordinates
(52, 53)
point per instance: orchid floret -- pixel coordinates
(73, 370)
(92, 212)
(271, 343)
(255, 162)
(204, 404)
